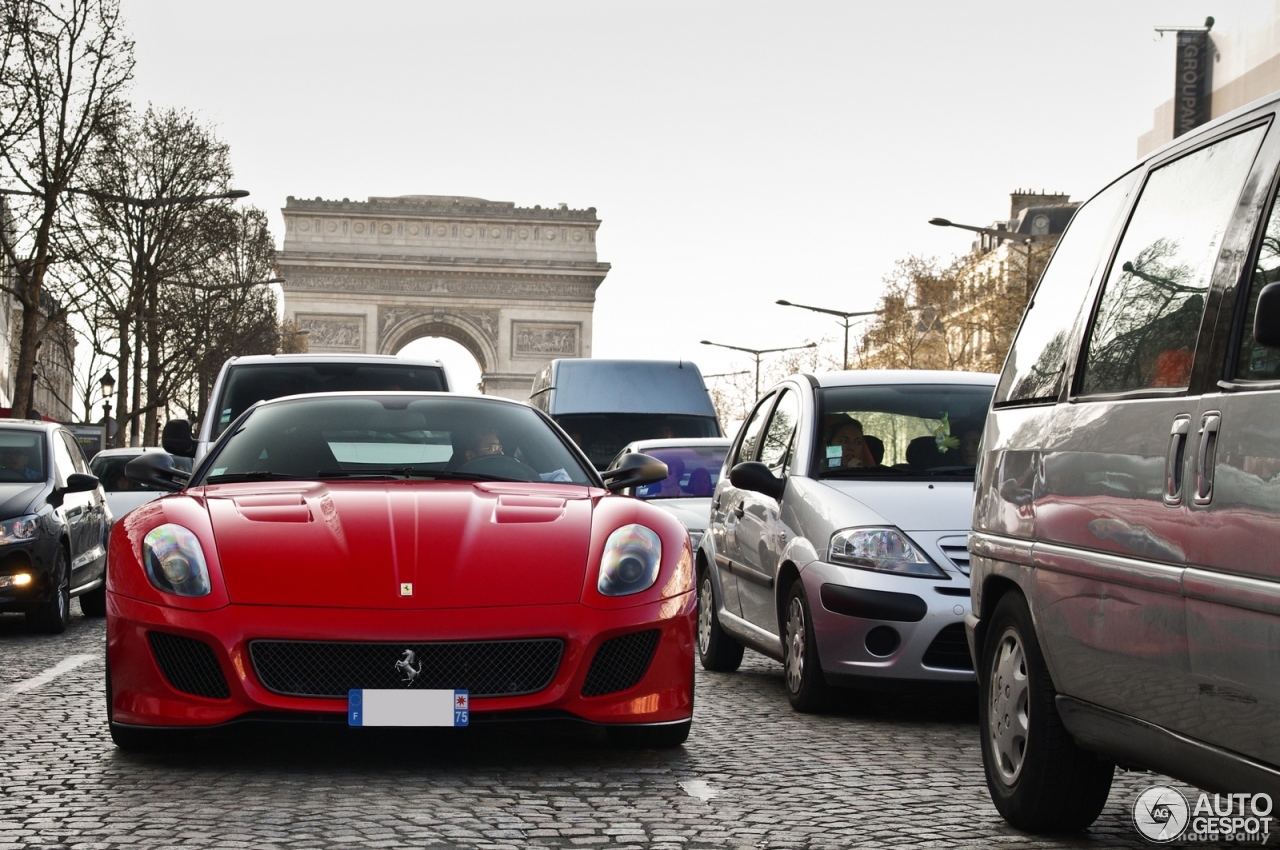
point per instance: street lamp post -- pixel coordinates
(845, 320)
(1026, 238)
(108, 384)
(756, 352)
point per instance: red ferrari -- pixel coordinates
(398, 559)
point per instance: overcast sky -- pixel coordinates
(736, 152)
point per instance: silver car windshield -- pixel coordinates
(929, 429)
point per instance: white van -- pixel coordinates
(245, 380)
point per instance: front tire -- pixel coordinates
(94, 603)
(716, 650)
(1039, 778)
(51, 616)
(807, 688)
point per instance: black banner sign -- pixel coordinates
(1191, 98)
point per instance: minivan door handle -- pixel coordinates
(1174, 460)
(1209, 424)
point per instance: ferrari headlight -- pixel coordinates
(884, 549)
(174, 561)
(632, 556)
(21, 528)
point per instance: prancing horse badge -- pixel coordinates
(406, 588)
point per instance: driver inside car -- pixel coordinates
(486, 443)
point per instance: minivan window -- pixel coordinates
(1144, 331)
(250, 383)
(1037, 360)
(1257, 362)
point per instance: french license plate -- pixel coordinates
(386, 707)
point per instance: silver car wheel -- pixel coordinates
(706, 611)
(795, 645)
(1008, 715)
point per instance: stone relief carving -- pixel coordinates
(332, 333)
(531, 339)
(391, 320)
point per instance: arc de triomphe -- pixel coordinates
(514, 286)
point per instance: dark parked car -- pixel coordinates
(1126, 588)
(53, 523)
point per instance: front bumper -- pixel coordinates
(873, 626)
(146, 691)
(33, 558)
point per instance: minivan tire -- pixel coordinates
(1039, 778)
(716, 650)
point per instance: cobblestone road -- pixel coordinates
(882, 771)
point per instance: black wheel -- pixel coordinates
(94, 603)
(52, 615)
(650, 737)
(500, 466)
(1039, 778)
(716, 650)
(806, 687)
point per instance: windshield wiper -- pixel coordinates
(262, 475)
(392, 474)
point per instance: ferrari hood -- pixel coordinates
(399, 545)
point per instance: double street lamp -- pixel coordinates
(846, 320)
(1009, 236)
(757, 352)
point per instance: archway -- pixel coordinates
(513, 286)
(464, 370)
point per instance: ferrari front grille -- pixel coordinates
(332, 668)
(949, 650)
(620, 663)
(189, 665)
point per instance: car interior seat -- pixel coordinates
(922, 454)
(700, 483)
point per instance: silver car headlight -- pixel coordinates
(21, 528)
(884, 549)
(174, 561)
(632, 556)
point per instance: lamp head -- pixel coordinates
(108, 382)
(940, 222)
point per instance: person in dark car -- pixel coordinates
(13, 465)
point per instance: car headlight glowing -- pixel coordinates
(20, 528)
(174, 561)
(884, 549)
(632, 556)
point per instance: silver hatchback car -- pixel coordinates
(837, 539)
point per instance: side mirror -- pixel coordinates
(77, 482)
(632, 470)
(176, 438)
(755, 476)
(158, 470)
(1266, 321)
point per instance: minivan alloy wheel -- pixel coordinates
(1010, 705)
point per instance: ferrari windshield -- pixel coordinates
(393, 435)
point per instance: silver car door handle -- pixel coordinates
(1174, 459)
(1209, 424)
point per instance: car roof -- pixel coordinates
(331, 358)
(676, 443)
(882, 377)
(127, 450)
(483, 399)
(27, 425)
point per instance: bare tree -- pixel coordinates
(225, 309)
(159, 213)
(64, 67)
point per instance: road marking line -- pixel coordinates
(66, 665)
